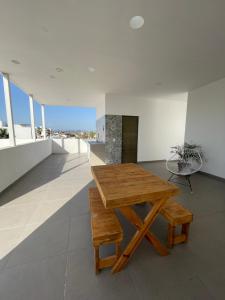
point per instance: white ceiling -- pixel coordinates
(180, 47)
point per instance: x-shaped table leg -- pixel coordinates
(132, 216)
(143, 231)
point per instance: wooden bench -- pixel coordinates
(106, 229)
(176, 214)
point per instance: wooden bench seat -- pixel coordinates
(106, 229)
(176, 214)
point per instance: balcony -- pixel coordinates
(46, 250)
(154, 81)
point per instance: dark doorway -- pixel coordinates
(129, 139)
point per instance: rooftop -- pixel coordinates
(46, 249)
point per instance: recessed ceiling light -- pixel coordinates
(91, 69)
(16, 62)
(52, 76)
(58, 69)
(136, 22)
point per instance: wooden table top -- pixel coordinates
(128, 184)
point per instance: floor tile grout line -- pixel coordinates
(67, 260)
(65, 277)
(202, 282)
(65, 253)
(134, 284)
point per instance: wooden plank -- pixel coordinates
(185, 231)
(179, 239)
(131, 215)
(96, 251)
(138, 236)
(128, 184)
(124, 185)
(105, 225)
(159, 247)
(175, 213)
(107, 262)
(171, 234)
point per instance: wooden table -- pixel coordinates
(124, 185)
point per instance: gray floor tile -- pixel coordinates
(34, 281)
(45, 241)
(46, 250)
(80, 232)
(82, 283)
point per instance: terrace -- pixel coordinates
(153, 87)
(46, 245)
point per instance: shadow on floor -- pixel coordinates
(43, 250)
(47, 170)
(53, 259)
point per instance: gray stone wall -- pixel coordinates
(113, 139)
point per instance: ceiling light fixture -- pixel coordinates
(91, 69)
(58, 69)
(16, 62)
(136, 22)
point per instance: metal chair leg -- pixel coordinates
(171, 176)
(189, 182)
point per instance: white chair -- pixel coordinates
(186, 163)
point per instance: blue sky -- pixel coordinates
(57, 117)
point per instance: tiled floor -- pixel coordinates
(46, 251)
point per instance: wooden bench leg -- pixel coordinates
(101, 263)
(181, 238)
(185, 231)
(96, 251)
(118, 250)
(171, 235)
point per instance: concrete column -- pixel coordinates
(8, 105)
(31, 101)
(43, 120)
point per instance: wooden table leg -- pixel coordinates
(132, 216)
(138, 236)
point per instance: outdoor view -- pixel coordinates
(61, 121)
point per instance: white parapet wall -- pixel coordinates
(69, 145)
(4, 143)
(18, 160)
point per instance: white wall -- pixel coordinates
(70, 145)
(16, 161)
(100, 120)
(5, 142)
(161, 122)
(206, 124)
(96, 153)
(22, 132)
